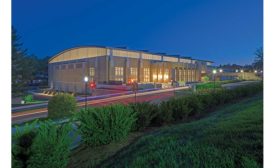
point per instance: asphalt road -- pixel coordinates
(34, 112)
(40, 111)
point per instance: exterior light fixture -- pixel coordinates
(237, 70)
(221, 70)
(242, 71)
(255, 71)
(214, 71)
(86, 79)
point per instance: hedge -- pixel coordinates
(47, 145)
(103, 125)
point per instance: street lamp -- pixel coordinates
(255, 71)
(242, 73)
(86, 82)
(221, 70)
(237, 70)
(214, 73)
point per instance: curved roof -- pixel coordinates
(79, 53)
(83, 52)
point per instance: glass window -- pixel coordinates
(119, 73)
(92, 71)
(146, 72)
(133, 73)
(180, 75)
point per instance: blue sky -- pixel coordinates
(224, 31)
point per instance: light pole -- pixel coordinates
(242, 73)
(214, 73)
(86, 82)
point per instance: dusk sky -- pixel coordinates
(223, 31)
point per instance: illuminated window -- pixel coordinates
(166, 74)
(119, 73)
(92, 73)
(133, 73)
(160, 75)
(180, 75)
(146, 72)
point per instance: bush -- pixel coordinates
(165, 114)
(51, 146)
(103, 125)
(180, 108)
(194, 105)
(28, 98)
(22, 141)
(145, 112)
(61, 105)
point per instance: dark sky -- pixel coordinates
(224, 31)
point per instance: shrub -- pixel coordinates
(165, 113)
(145, 112)
(28, 98)
(208, 101)
(102, 125)
(194, 104)
(51, 146)
(61, 105)
(22, 140)
(180, 108)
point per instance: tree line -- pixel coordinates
(25, 67)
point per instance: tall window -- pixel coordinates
(166, 74)
(146, 72)
(92, 73)
(119, 73)
(180, 75)
(133, 73)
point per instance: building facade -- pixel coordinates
(106, 65)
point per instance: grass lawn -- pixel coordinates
(232, 136)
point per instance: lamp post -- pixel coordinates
(86, 82)
(242, 73)
(214, 73)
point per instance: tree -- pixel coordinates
(259, 59)
(23, 66)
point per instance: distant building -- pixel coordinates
(106, 65)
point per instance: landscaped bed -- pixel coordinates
(107, 131)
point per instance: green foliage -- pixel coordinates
(51, 146)
(61, 105)
(145, 113)
(22, 140)
(208, 85)
(231, 137)
(28, 98)
(165, 113)
(99, 126)
(205, 79)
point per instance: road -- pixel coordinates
(33, 112)
(40, 111)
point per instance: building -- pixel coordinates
(106, 65)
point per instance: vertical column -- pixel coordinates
(126, 69)
(138, 67)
